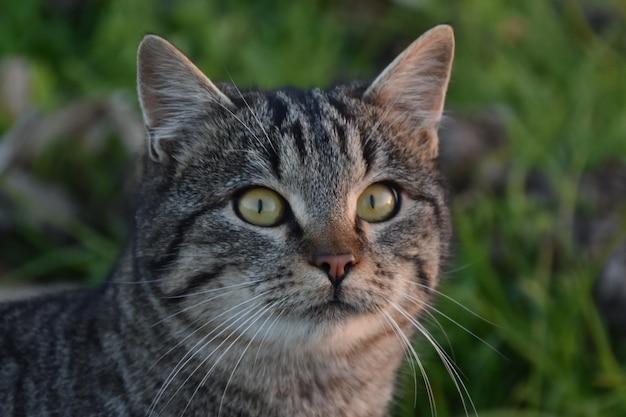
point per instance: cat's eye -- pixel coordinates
(379, 202)
(261, 207)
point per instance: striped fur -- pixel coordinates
(207, 314)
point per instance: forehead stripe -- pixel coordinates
(278, 109)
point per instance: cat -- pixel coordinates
(285, 243)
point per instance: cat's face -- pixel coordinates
(293, 214)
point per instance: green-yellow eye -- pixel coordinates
(261, 207)
(377, 203)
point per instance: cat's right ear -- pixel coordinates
(170, 88)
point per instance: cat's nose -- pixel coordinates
(336, 266)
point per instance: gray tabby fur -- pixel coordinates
(207, 315)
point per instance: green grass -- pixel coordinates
(543, 349)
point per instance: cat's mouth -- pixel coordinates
(334, 308)
(337, 303)
(334, 305)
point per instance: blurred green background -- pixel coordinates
(535, 148)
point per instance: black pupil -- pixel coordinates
(372, 201)
(260, 206)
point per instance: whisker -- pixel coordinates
(447, 297)
(433, 308)
(205, 301)
(215, 363)
(407, 355)
(268, 308)
(380, 120)
(437, 323)
(187, 357)
(445, 359)
(191, 307)
(256, 118)
(143, 281)
(241, 284)
(267, 330)
(241, 122)
(460, 267)
(204, 325)
(407, 343)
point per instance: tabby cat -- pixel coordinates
(285, 243)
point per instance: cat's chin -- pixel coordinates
(333, 311)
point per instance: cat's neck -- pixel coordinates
(329, 381)
(302, 382)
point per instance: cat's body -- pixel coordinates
(285, 243)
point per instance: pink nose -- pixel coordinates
(335, 265)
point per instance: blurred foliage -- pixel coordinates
(539, 347)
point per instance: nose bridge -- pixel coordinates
(334, 236)
(335, 249)
(329, 228)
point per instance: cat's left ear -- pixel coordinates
(412, 89)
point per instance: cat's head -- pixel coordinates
(301, 212)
